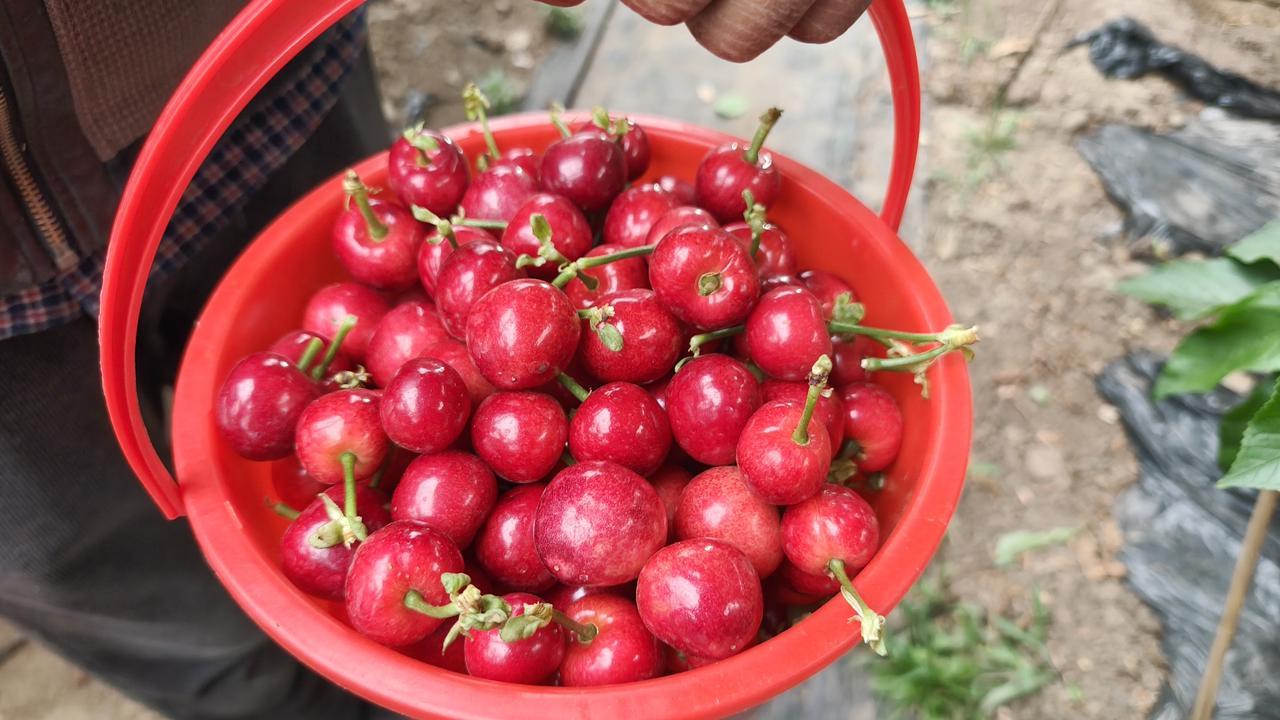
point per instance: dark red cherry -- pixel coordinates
(570, 233)
(322, 571)
(635, 146)
(669, 482)
(872, 424)
(626, 274)
(682, 190)
(521, 435)
(431, 255)
(633, 214)
(623, 649)
(782, 465)
(829, 410)
(810, 587)
(589, 169)
(622, 423)
(834, 524)
(522, 157)
(498, 192)
(455, 355)
(562, 596)
(786, 333)
(425, 406)
(678, 217)
(259, 405)
(466, 275)
(522, 334)
(531, 661)
(704, 277)
(718, 503)
(729, 169)
(341, 422)
(651, 339)
(332, 304)
(426, 169)
(775, 256)
(292, 485)
(433, 652)
(377, 241)
(293, 346)
(708, 402)
(449, 491)
(406, 332)
(505, 546)
(826, 287)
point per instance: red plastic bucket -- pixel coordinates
(263, 295)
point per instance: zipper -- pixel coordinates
(37, 207)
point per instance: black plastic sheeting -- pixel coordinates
(1182, 536)
(1126, 48)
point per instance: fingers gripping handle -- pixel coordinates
(261, 39)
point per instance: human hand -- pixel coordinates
(739, 30)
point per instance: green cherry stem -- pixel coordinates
(309, 354)
(348, 460)
(443, 227)
(754, 216)
(574, 387)
(478, 223)
(283, 510)
(415, 602)
(556, 111)
(586, 632)
(697, 341)
(817, 384)
(475, 105)
(357, 191)
(906, 362)
(767, 121)
(422, 142)
(330, 353)
(571, 270)
(872, 623)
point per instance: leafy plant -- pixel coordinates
(564, 23)
(503, 93)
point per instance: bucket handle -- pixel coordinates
(257, 43)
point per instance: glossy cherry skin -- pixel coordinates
(406, 332)
(292, 485)
(562, 596)
(701, 597)
(835, 524)
(400, 557)
(466, 275)
(847, 356)
(531, 661)
(521, 435)
(498, 192)
(431, 255)
(709, 402)
(589, 169)
(598, 523)
(323, 571)
(724, 173)
(628, 274)
(259, 404)
(389, 263)
(773, 464)
(829, 410)
(872, 421)
(676, 217)
(330, 306)
(633, 214)
(505, 546)
(652, 339)
(455, 355)
(786, 333)
(681, 189)
(635, 146)
(826, 287)
(775, 256)
(425, 406)
(450, 491)
(433, 179)
(522, 334)
(522, 157)
(433, 652)
(337, 423)
(623, 650)
(678, 272)
(810, 587)
(622, 423)
(718, 503)
(669, 482)
(570, 233)
(292, 345)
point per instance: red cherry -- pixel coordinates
(570, 233)
(682, 190)
(872, 422)
(455, 355)
(323, 571)
(466, 275)
(338, 423)
(332, 304)
(780, 466)
(826, 287)
(626, 274)
(406, 332)
(522, 157)
(718, 503)
(807, 588)
(704, 277)
(598, 523)
(847, 357)
(425, 406)
(450, 491)
(292, 485)
(622, 423)
(435, 249)
(708, 402)
(701, 597)
(426, 169)
(505, 546)
(521, 435)
(829, 410)
(652, 339)
(433, 652)
(562, 596)
(293, 346)
(522, 334)
(498, 192)
(786, 333)
(260, 403)
(531, 661)
(622, 651)
(678, 217)
(635, 146)
(589, 169)
(669, 482)
(775, 256)
(401, 557)
(729, 169)
(376, 241)
(835, 524)
(633, 214)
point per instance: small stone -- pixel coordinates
(1108, 414)
(706, 92)
(1085, 664)
(519, 40)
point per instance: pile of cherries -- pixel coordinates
(434, 427)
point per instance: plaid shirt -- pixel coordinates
(258, 142)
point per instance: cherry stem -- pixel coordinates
(478, 223)
(574, 387)
(348, 460)
(422, 142)
(309, 354)
(443, 227)
(754, 216)
(556, 110)
(708, 283)
(475, 104)
(767, 121)
(571, 270)
(905, 362)
(872, 623)
(348, 323)
(586, 632)
(357, 191)
(817, 383)
(697, 341)
(283, 510)
(415, 602)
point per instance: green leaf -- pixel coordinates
(1246, 336)
(730, 106)
(1011, 545)
(1257, 465)
(1262, 244)
(1192, 289)
(1233, 423)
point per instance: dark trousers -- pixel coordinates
(88, 566)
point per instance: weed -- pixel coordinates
(503, 93)
(564, 23)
